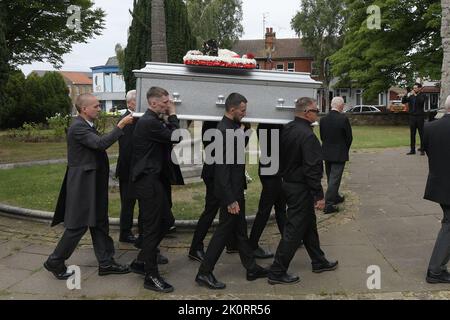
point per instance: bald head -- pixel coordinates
(84, 100)
(88, 106)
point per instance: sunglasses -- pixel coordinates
(313, 110)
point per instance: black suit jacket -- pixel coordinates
(83, 199)
(152, 147)
(436, 142)
(208, 169)
(336, 135)
(266, 148)
(125, 150)
(229, 179)
(301, 156)
(418, 107)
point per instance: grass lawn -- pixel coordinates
(17, 151)
(38, 187)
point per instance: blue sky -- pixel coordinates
(97, 50)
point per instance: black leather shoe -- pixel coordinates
(172, 230)
(411, 153)
(113, 268)
(260, 253)
(127, 238)
(330, 209)
(340, 199)
(208, 280)
(282, 279)
(443, 277)
(422, 153)
(60, 272)
(258, 273)
(137, 267)
(160, 259)
(232, 250)
(326, 266)
(197, 255)
(157, 284)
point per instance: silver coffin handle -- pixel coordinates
(176, 98)
(280, 105)
(220, 101)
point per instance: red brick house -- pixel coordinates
(277, 54)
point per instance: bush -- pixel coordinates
(59, 124)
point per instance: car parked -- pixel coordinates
(363, 109)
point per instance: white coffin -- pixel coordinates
(200, 92)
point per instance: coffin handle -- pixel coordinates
(280, 105)
(220, 101)
(177, 98)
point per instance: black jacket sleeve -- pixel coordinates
(87, 137)
(313, 166)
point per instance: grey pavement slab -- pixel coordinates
(23, 261)
(11, 276)
(384, 222)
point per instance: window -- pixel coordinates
(291, 67)
(366, 109)
(280, 67)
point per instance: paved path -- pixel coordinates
(384, 222)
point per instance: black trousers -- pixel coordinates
(300, 225)
(229, 226)
(441, 252)
(272, 195)
(212, 206)
(416, 123)
(155, 217)
(127, 205)
(334, 171)
(102, 242)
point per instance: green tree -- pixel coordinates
(12, 112)
(37, 30)
(408, 44)
(33, 99)
(320, 24)
(216, 19)
(139, 47)
(4, 70)
(57, 98)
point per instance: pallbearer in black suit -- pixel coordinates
(302, 171)
(83, 200)
(151, 167)
(127, 203)
(272, 192)
(212, 203)
(336, 136)
(416, 101)
(437, 146)
(229, 186)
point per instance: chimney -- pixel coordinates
(270, 39)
